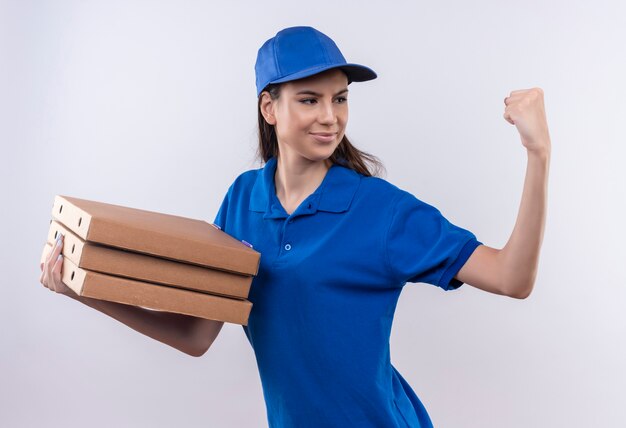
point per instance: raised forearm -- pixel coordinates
(520, 255)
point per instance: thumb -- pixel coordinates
(507, 117)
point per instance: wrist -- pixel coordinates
(541, 154)
(71, 295)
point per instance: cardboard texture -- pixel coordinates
(113, 261)
(152, 296)
(157, 234)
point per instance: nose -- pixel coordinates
(327, 114)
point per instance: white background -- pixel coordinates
(151, 104)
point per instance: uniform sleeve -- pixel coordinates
(423, 246)
(220, 217)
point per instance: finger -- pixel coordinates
(58, 247)
(49, 254)
(45, 281)
(46, 276)
(507, 117)
(510, 99)
(47, 273)
(56, 270)
(513, 98)
(519, 91)
(54, 256)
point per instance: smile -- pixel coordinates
(324, 137)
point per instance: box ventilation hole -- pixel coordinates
(72, 277)
(73, 246)
(60, 209)
(80, 220)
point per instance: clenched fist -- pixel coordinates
(525, 110)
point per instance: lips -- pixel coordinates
(324, 137)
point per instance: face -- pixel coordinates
(310, 115)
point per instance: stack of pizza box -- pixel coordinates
(153, 260)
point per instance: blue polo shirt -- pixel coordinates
(324, 298)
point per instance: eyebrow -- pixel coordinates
(309, 92)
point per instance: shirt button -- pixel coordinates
(288, 247)
(290, 221)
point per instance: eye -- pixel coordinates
(305, 101)
(343, 100)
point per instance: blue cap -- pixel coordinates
(298, 52)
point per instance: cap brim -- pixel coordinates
(355, 73)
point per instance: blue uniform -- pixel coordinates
(324, 298)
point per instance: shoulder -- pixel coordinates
(378, 200)
(382, 190)
(392, 202)
(237, 198)
(245, 181)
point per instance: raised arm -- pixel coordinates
(512, 270)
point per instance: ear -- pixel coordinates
(267, 108)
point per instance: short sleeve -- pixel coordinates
(220, 217)
(423, 246)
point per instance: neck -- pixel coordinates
(296, 179)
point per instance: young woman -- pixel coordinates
(337, 245)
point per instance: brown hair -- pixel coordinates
(345, 154)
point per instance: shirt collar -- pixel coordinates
(334, 194)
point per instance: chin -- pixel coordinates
(321, 155)
(317, 158)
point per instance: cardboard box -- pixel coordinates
(157, 234)
(118, 262)
(148, 295)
